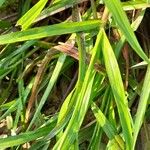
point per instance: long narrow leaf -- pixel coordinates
(118, 90)
(51, 83)
(81, 106)
(56, 7)
(31, 15)
(142, 105)
(26, 137)
(41, 32)
(107, 126)
(121, 19)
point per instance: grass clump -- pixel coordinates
(72, 75)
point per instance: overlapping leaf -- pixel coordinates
(118, 90)
(144, 97)
(31, 15)
(46, 31)
(121, 19)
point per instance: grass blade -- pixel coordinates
(51, 83)
(114, 76)
(132, 5)
(31, 15)
(26, 137)
(107, 126)
(81, 106)
(57, 7)
(41, 32)
(142, 106)
(121, 19)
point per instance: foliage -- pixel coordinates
(72, 76)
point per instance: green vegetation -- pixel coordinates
(74, 75)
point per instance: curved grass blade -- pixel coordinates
(121, 19)
(114, 76)
(46, 31)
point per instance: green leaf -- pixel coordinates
(97, 134)
(5, 61)
(132, 5)
(144, 97)
(27, 136)
(107, 126)
(82, 102)
(56, 7)
(114, 76)
(51, 83)
(46, 31)
(31, 15)
(121, 19)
